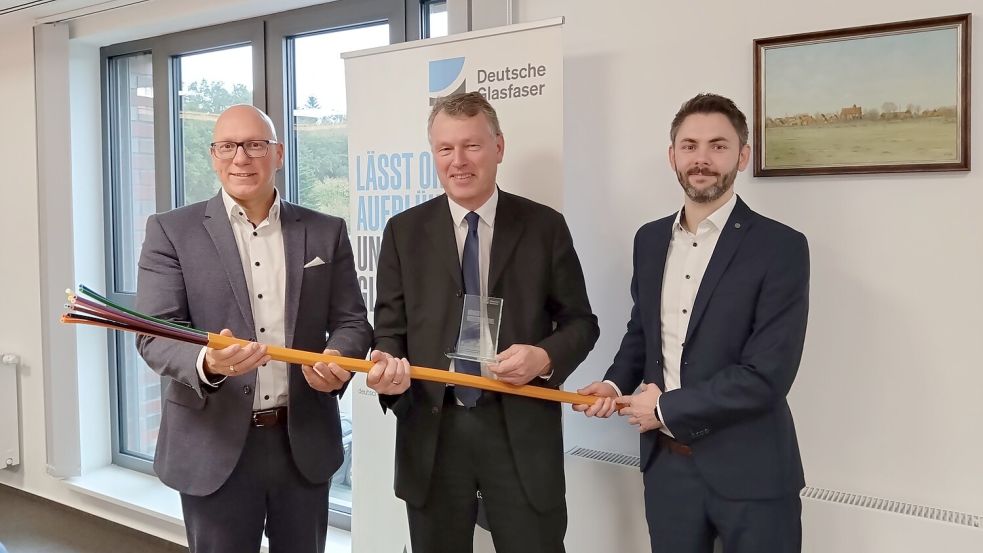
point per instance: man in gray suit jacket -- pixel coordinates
(244, 262)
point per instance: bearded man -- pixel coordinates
(715, 337)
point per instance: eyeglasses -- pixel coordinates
(253, 148)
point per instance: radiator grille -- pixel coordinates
(822, 494)
(892, 506)
(605, 456)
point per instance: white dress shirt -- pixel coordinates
(486, 230)
(263, 264)
(686, 261)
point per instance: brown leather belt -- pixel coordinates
(674, 446)
(270, 417)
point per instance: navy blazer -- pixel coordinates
(741, 354)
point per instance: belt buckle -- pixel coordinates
(261, 418)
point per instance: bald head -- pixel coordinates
(242, 118)
(248, 177)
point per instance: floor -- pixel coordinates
(30, 524)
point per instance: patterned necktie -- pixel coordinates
(472, 285)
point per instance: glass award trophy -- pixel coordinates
(480, 321)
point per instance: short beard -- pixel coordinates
(711, 193)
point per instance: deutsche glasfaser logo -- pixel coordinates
(446, 78)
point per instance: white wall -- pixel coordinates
(887, 397)
(887, 400)
(20, 326)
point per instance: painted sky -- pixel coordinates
(910, 68)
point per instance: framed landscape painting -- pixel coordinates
(877, 99)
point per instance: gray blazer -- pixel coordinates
(190, 272)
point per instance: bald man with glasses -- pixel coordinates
(251, 444)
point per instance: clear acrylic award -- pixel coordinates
(480, 320)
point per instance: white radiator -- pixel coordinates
(846, 522)
(9, 412)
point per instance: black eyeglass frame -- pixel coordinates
(213, 145)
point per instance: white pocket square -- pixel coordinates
(314, 263)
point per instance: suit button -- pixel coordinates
(435, 411)
(460, 293)
(247, 390)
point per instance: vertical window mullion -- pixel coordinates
(291, 176)
(174, 125)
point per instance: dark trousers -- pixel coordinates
(265, 491)
(684, 515)
(473, 454)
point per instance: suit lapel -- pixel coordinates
(294, 248)
(730, 239)
(440, 232)
(508, 229)
(220, 230)
(659, 254)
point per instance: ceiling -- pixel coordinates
(37, 9)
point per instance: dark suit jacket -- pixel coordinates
(535, 270)
(743, 347)
(190, 272)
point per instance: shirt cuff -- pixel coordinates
(658, 410)
(201, 371)
(615, 386)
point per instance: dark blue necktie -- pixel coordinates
(472, 285)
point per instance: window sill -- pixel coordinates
(147, 495)
(132, 490)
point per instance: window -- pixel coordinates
(318, 135)
(434, 18)
(317, 153)
(133, 198)
(162, 96)
(210, 83)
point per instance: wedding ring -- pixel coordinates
(396, 382)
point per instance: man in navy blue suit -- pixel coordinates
(721, 298)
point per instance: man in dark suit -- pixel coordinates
(715, 337)
(245, 262)
(452, 443)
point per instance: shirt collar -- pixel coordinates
(235, 211)
(485, 213)
(718, 219)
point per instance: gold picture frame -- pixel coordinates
(885, 98)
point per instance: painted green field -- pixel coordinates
(928, 140)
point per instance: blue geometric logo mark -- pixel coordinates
(443, 73)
